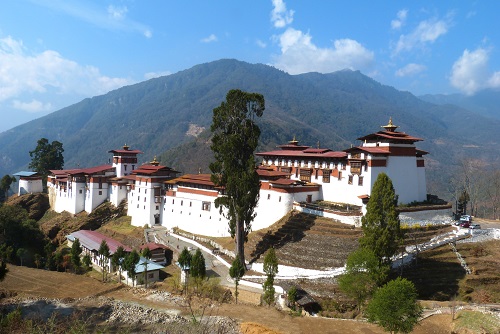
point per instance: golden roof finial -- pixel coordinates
(154, 162)
(293, 141)
(390, 127)
(126, 147)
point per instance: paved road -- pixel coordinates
(217, 268)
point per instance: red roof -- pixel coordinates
(92, 240)
(153, 246)
(314, 153)
(123, 151)
(391, 135)
(203, 179)
(369, 149)
(148, 169)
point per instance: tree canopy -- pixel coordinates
(362, 275)
(381, 226)
(46, 156)
(394, 306)
(235, 138)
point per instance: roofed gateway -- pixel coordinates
(289, 175)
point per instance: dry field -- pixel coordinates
(41, 283)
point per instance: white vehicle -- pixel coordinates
(475, 226)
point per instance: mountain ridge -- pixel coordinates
(334, 109)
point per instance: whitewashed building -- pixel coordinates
(29, 183)
(348, 176)
(290, 175)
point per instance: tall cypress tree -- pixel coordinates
(381, 224)
(235, 138)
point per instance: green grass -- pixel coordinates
(477, 322)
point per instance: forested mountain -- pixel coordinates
(167, 114)
(485, 103)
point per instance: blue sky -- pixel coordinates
(54, 53)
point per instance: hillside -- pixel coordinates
(167, 114)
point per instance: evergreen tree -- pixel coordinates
(235, 138)
(185, 263)
(76, 250)
(198, 267)
(46, 156)
(271, 269)
(117, 261)
(86, 261)
(104, 257)
(130, 262)
(146, 253)
(395, 307)
(381, 226)
(236, 271)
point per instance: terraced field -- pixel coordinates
(306, 241)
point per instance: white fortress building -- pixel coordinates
(292, 174)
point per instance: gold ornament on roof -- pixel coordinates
(390, 127)
(154, 162)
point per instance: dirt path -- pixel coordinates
(42, 283)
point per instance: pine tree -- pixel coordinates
(271, 269)
(104, 257)
(381, 226)
(117, 261)
(76, 250)
(236, 271)
(235, 138)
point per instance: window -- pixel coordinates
(350, 179)
(268, 196)
(305, 175)
(355, 167)
(340, 176)
(157, 207)
(326, 176)
(133, 167)
(182, 203)
(173, 201)
(150, 275)
(360, 181)
(190, 204)
(138, 198)
(125, 166)
(279, 199)
(144, 198)
(100, 192)
(80, 191)
(205, 206)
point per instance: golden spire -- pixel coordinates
(293, 141)
(390, 127)
(126, 147)
(154, 162)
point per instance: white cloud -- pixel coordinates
(426, 32)
(401, 19)
(410, 70)
(470, 72)
(32, 107)
(25, 73)
(260, 44)
(300, 55)
(111, 17)
(209, 39)
(280, 16)
(117, 13)
(151, 75)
